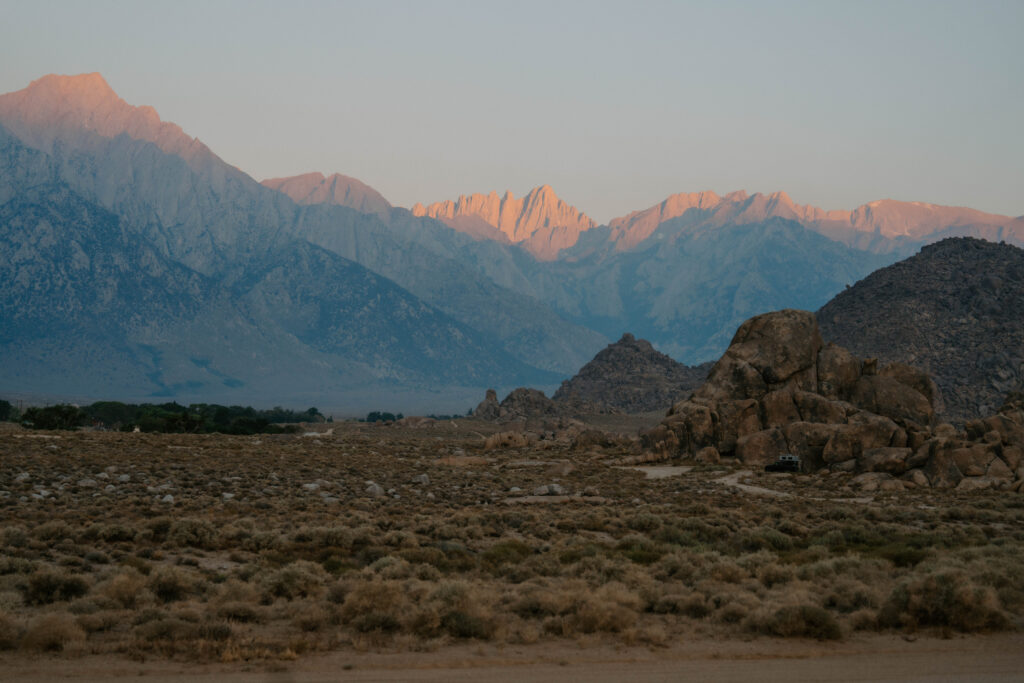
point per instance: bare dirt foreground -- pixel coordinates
(396, 553)
(994, 658)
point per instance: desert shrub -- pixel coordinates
(945, 599)
(456, 608)
(774, 574)
(797, 621)
(14, 537)
(391, 567)
(863, 620)
(53, 531)
(115, 533)
(169, 584)
(639, 549)
(168, 628)
(611, 609)
(535, 602)
(195, 533)
(127, 588)
(847, 595)
(764, 538)
(8, 633)
(375, 606)
(99, 621)
(52, 633)
(46, 586)
(299, 579)
(158, 528)
(644, 522)
(508, 551)
(727, 571)
(97, 557)
(242, 612)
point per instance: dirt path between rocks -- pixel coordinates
(733, 480)
(989, 659)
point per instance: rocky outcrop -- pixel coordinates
(779, 389)
(629, 376)
(489, 408)
(956, 310)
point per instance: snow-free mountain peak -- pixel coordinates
(73, 108)
(540, 222)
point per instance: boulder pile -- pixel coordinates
(779, 389)
(520, 404)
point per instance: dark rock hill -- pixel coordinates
(629, 376)
(955, 310)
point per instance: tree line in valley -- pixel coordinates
(195, 418)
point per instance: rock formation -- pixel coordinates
(520, 404)
(541, 222)
(489, 408)
(956, 310)
(629, 376)
(780, 389)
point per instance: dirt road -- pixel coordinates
(997, 658)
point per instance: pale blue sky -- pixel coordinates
(615, 104)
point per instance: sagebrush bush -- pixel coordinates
(52, 633)
(169, 584)
(195, 533)
(9, 632)
(300, 579)
(127, 588)
(797, 621)
(46, 586)
(945, 599)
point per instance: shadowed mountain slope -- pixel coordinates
(956, 310)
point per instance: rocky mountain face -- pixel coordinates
(213, 219)
(540, 222)
(629, 376)
(956, 310)
(314, 188)
(780, 389)
(882, 226)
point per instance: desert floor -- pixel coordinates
(387, 553)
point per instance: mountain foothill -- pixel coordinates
(137, 264)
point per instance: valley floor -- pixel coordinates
(387, 553)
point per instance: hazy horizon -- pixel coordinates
(616, 106)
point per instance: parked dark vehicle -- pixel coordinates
(786, 463)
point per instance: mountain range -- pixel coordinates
(138, 263)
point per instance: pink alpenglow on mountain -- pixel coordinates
(875, 226)
(71, 108)
(540, 222)
(314, 188)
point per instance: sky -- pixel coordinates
(616, 105)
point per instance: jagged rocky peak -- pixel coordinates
(779, 389)
(540, 222)
(955, 309)
(629, 376)
(70, 108)
(342, 190)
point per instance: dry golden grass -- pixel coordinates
(239, 548)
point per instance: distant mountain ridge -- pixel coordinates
(879, 226)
